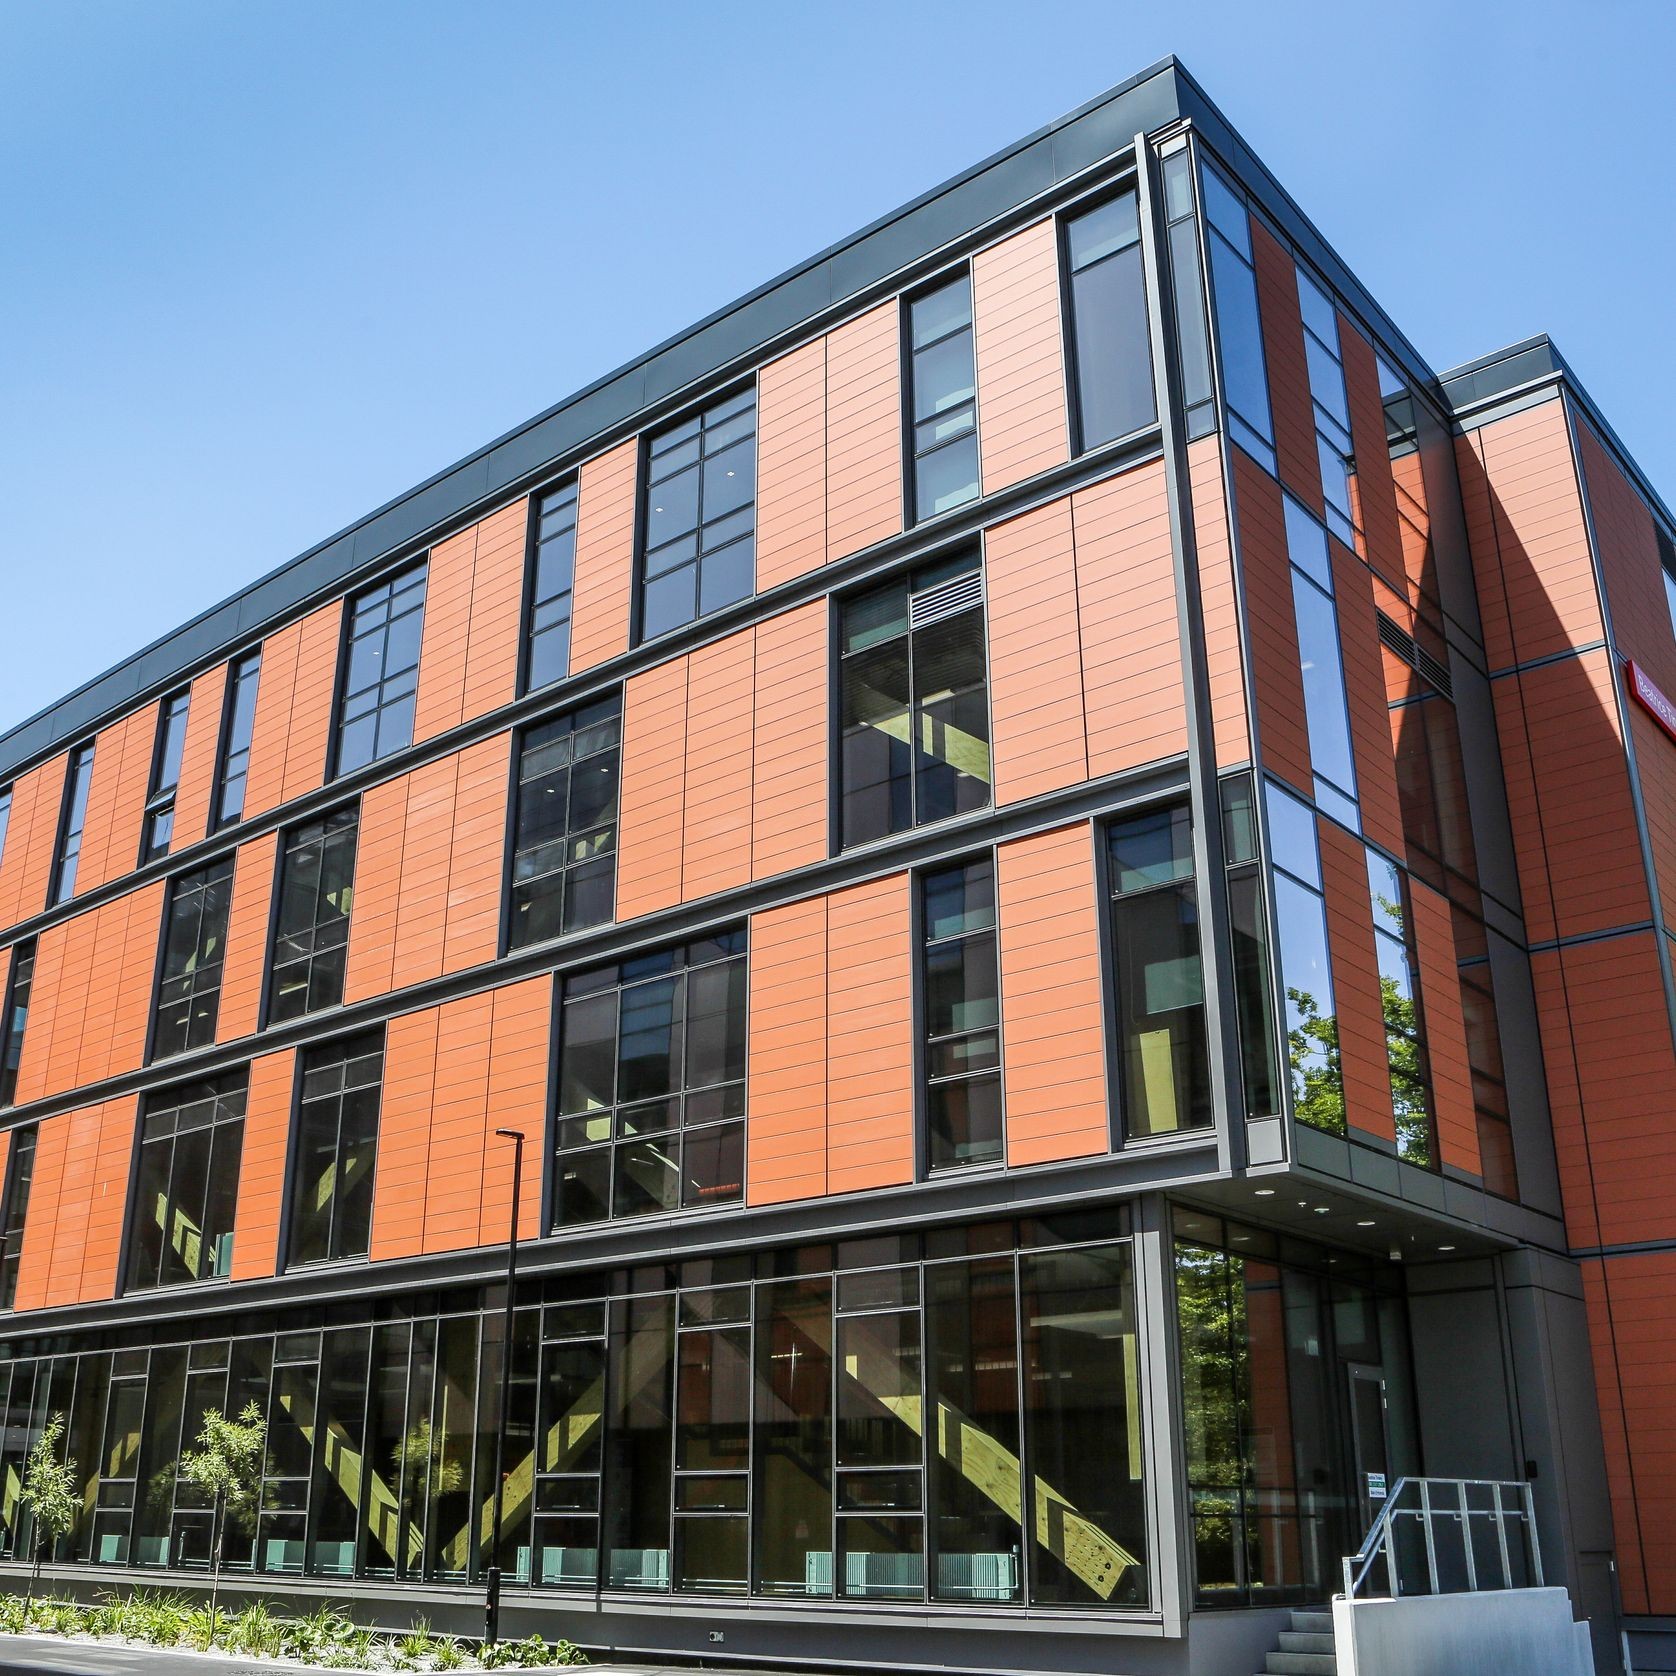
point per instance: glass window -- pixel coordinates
(700, 523)
(336, 1149)
(1489, 1074)
(5, 817)
(641, 1399)
(914, 702)
(1326, 709)
(381, 670)
(943, 395)
(1111, 353)
(165, 777)
(962, 1009)
(1399, 995)
(793, 1441)
(1248, 917)
(1239, 326)
(311, 930)
(1188, 286)
(652, 1084)
(1332, 407)
(238, 727)
(1669, 599)
(1312, 1052)
(1163, 1050)
(552, 577)
(194, 949)
(16, 1015)
(76, 782)
(564, 858)
(20, 1171)
(187, 1184)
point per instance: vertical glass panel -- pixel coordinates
(881, 1418)
(165, 1392)
(1311, 1021)
(452, 1509)
(1252, 995)
(340, 1464)
(1083, 1428)
(1330, 751)
(792, 1469)
(1112, 353)
(638, 1469)
(1240, 338)
(976, 1483)
(390, 1537)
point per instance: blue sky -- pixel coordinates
(264, 265)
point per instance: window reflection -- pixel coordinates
(1111, 353)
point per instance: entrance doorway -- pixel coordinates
(1369, 1441)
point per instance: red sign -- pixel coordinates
(1650, 698)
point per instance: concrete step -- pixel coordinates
(1301, 1664)
(1307, 1641)
(1312, 1623)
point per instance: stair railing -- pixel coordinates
(1440, 1505)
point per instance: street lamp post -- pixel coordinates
(491, 1606)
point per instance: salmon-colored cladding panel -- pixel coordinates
(428, 863)
(863, 431)
(468, 660)
(789, 777)
(653, 786)
(90, 1002)
(721, 740)
(291, 730)
(195, 791)
(1536, 578)
(453, 1075)
(1052, 997)
(1019, 348)
(72, 1237)
(1128, 622)
(247, 938)
(267, 1134)
(1446, 1049)
(1358, 1006)
(116, 794)
(785, 1148)
(1039, 733)
(1277, 676)
(869, 1036)
(791, 465)
(1372, 483)
(1283, 351)
(604, 583)
(31, 834)
(1219, 603)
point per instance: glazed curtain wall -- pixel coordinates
(958, 1421)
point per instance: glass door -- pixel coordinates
(1368, 1440)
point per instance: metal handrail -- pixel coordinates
(1441, 1499)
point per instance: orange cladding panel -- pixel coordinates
(1372, 483)
(1127, 622)
(404, 1132)
(270, 724)
(1445, 1022)
(196, 790)
(1655, 763)
(1052, 997)
(1020, 356)
(40, 1227)
(1283, 351)
(110, 840)
(517, 1099)
(1365, 695)
(789, 781)
(497, 606)
(653, 786)
(1356, 996)
(455, 1145)
(1038, 731)
(369, 960)
(786, 1129)
(869, 1025)
(476, 858)
(1219, 603)
(1531, 548)
(604, 556)
(31, 835)
(290, 731)
(267, 1133)
(863, 432)
(721, 738)
(101, 1247)
(791, 465)
(247, 938)
(1271, 624)
(440, 703)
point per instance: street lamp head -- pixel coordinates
(510, 1134)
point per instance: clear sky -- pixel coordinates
(266, 263)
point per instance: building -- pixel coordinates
(1062, 858)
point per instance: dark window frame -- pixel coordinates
(246, 666)
(529, 633)
(72, 824)
(192, 985)
(392, 583)
(5, 817)
(742, 397)
(12, 1031)
(339, 1051)
(289, 843)
(909, 353)
(14, 1208)
(167, 753)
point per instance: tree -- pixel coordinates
(1312, 1056)
(49, 1492)
(227, 1465)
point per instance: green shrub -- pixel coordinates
(254, 1631)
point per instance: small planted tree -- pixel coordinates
(49, 1492)
(227, 1466)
